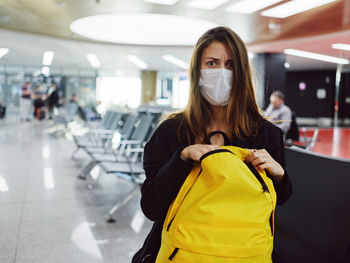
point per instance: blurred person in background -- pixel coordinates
(39, 98)
(278, 113)
(2, 110)
(25, 102)
(53, 99)
(74, 100)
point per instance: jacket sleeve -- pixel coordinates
(165, 172)
(276, 150)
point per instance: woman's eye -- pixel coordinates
(229, 64)
(211, 63)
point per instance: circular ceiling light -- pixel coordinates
(142, 29)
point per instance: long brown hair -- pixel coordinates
(242, 113)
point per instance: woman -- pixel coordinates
(221, 99)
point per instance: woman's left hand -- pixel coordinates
(261, 160)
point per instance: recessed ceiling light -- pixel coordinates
(93, 59)
(176, 61)
(286, 65)
(48, 57)
(250, 6)
(143, 29)
(294, 7)
(3, 51)
(161, 2)
(341, 46)
(316, 56)
(137, 61)
(206, 4)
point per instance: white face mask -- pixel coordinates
(215, 85)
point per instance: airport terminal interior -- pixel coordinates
(85, 83)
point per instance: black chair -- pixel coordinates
(314, 225)
(293, 132)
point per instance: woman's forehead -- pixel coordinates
(217, 50)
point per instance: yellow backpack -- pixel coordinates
(223, 213)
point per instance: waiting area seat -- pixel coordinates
(314, 224)
(115, 146)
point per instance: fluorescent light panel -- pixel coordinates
(311, 55)
(3, 51)
(176, 61)
(294, 7)
(341, 46)
(250, 6)
(206, 4)
(137, 61)
(48, 57)
(93, 59)
(161, 2)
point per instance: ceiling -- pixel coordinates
(28, 28)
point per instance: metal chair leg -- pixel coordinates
(83, 174)
(122, 203)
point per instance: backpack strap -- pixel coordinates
(226, 139)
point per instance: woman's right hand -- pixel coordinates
(195, 152)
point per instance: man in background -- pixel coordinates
(74, 100)
(39, 98)
(52, 99)
(278, 113)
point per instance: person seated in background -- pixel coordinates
(278, 113)
(74, 99)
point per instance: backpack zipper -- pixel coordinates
(259, 178)
(171, 221)
(173, 254)
(271, 223)
(265, 189)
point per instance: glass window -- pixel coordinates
(118, 91)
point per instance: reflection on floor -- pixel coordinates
(47, 215)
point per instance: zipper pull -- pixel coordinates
(173, 254)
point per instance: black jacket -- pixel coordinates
(166, 172)
(53, 99)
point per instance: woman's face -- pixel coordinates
(216, 55)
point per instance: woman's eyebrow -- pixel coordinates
(212, 58)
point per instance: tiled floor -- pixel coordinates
(47, 215)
